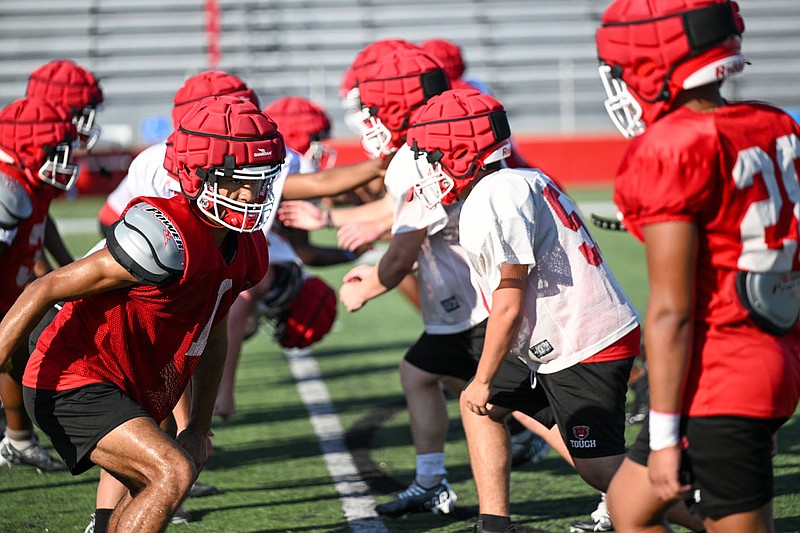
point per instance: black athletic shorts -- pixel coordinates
(587, 401)
(453, 354)
(76, 419)
(728, 460)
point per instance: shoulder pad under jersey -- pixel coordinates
(148, 245)
(15, 202)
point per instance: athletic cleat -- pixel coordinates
(512, 528)
(528, 447)
(34, 455)
(90, 526)
(415, 499)
(181, 516)
(599, 520)
(201, 490)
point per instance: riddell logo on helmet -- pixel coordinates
(262, 153)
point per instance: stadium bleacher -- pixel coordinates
(537, 56)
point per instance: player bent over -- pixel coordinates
(148, 313)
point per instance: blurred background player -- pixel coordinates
(711, 188)
(36, 162)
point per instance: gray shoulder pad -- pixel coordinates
(15, 203)
(148, 245)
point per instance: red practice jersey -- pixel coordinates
(733, 173)
(147, 339)
(22, 252)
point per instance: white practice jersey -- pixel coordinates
(449, 299)
(146, 177)
(574, 307)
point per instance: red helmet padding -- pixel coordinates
(30, 127)
(205, 84)
(300, 121)
(648, 40)
(310, 316)
(464, 125)
(397, 84)
(63, 82)
(222, 126)
(448, 54)
(367, 56)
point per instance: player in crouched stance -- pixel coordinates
(154, 302)
(710, 187)
(561, 335)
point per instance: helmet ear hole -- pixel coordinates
(459, 152)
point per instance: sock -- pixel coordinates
(492, 522)
(20, 439)
(430, 469)
(101, 519)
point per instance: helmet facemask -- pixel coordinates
(436, 185)
(244, 217)
(321, 155)
(376, 139)
(621, 106)
(58, 168)
(88, 130)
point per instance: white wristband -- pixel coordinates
(664, 430)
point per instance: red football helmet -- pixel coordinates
(367, 56)
(227, 137)
(650, 51)
(62, 82)
(389, 90)
(304, 125)
(39, 139)
(309, 317)
(448, 54)
(455, 135)
(208, 83)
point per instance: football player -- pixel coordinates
(148, 176)
(157, 297)
(561, 335)
(389, 91)
(36, 162)
(711, 188)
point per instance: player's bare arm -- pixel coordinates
(505, 319)
(671, 251)
(205, 383)
(333, 181)
(98, 272)
(365, 282)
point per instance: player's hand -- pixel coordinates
(350, 293)
(663, 467)
(476, 398)
(301, 214)
(356, 234)
(197, 444)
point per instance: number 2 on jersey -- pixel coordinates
(759, 254)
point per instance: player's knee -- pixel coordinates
(176, 474)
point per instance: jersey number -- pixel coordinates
(564, 209)
(197, 347)
(758, 253)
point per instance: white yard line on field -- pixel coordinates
(357, 504)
